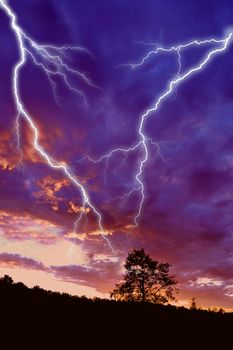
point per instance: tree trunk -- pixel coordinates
(143, 291)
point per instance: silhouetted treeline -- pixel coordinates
(26, 311)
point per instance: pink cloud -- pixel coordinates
(17, 261)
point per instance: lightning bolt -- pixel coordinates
(177, 49)
(172, 85)
(51, 55)
(51, 60)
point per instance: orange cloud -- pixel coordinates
(29, 153)
(92, 235)
(25, 227)
(50, 138)
(73, 208)
(9, 156)
(49, 189)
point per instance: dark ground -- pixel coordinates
(49, 320)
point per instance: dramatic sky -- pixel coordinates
(186, 218)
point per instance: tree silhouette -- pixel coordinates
(145, 280)
(193, 304)
(6, 280)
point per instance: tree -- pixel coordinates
(145, 280)
(193, 304)
(6, 280)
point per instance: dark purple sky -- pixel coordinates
(187, 214)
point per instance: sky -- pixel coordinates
(186, 216)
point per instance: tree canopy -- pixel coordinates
(145, 280)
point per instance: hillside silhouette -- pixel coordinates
(26, 311)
